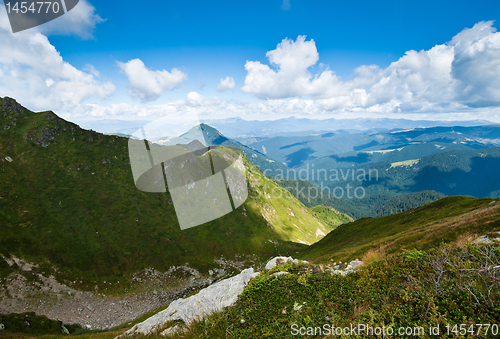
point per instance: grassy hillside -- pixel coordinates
(330, 216)
(214, 137)
(415, 291)
(414, 294)
(68, 200)
(423, 271)
(421, 228)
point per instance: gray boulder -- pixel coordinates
(280, 261)
(211, 299)
(355, 264)
(484, 239)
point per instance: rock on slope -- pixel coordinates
(209, 300)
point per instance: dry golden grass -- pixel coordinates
(424, 228)
(374, 255)
(465, 239)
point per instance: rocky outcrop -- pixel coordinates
(211, 299)
(215, 297)
(343, 269)
(10, 105)
(488, 239)
(280, 261)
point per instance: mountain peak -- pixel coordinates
(212, 136)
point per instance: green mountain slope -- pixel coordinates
(330, 216)
(421, 228)
(414, 294)
(432, 276)
(375, 205)
(463, 172)
(214, 137)
(68, 199)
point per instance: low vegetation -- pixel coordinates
(68, 203)
(420, 228)
(415, 291)
(422, 270)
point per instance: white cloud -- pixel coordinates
(461, 74)
(292, 78)
(215, 108)
(202, 106)
(148, 85)
(80, 21)
(91, 69)
(33, 72)
(476, 65)
(226, 83)
(195, 99)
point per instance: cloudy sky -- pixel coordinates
(259, 60)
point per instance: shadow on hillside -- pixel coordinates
(479, 182)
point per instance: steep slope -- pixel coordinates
(421, 228)
(214, 137)
(374, 205)
(330, 216)
(68, 200)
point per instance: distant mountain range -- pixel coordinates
(214, 138)
(113, 126)
(391, 171)
(337, 150)
(239, 128)
(67, 196)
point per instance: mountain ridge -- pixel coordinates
(81, 210)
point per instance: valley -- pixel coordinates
(81, 244)
(249, 169)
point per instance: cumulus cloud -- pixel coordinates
(460, 74)
(291, 78)
(194, 99)
(476, 65)
(33, 72)
(80, 21)
(148, 85)
(226, 83)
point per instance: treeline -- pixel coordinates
(373, 205)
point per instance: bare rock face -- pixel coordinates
(11, 105)
(211, 299)
(344, 269)
(280, 261)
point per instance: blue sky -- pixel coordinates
(208, 41)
